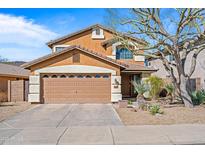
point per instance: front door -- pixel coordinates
(127, 87)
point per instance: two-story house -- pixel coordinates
(88, 66)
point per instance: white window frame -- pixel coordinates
(138, 58)
(95, 36)
(56, 46)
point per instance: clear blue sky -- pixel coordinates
(24, 32)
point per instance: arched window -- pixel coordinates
(45, 76)
(71, 76)
(88, 76)
(80, 76)
(105, 76)
(97, 76)
(62, 76)
(54, 76)
(123, 53)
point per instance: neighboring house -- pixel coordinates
(198, 77)
(88, 66)
(13, 81)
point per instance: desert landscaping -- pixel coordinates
(173, 115)
(158, 103)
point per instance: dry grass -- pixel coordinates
(174, 115)
(7, 111)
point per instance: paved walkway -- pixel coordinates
(166, 134)
(90, 124)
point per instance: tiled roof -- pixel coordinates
(97, 54)
(13, 71)
(136, 67)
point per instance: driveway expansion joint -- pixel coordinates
(171, 142)
(66, 115)
(113, 139)
(58, 140)
(5, 123)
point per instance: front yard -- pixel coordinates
(173, 115)
(9, 109)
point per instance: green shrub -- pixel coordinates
(130, 102)
(170, 89)
(198, 97)
(144, 107)
(155, 109)
(140, 88)
(156, 84)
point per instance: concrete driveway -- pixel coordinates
(46, 123)
(65, 115)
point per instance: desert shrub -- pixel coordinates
(140, 88)
(156, 84)
(198, 97)
(170, 90)
(130, 102)
(3, 96)
(155, 109)
(144, 107)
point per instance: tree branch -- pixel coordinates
(193, 61)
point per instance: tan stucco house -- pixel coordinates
(88, 66)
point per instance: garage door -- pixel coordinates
(76, 88)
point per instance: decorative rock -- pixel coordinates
(122, 103)
(158, 115)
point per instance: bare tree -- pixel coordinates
(185, 36)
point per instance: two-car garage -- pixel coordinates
(60, 78)
(75, 88)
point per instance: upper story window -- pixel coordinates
(59, 48)
(97, 33)
(146, 62)
(123, 53)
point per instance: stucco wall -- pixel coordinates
(67, 59)
(198, 73)
(4, 83)
(85, 40)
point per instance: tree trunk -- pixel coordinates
(184, 88)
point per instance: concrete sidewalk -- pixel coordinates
(147, 134)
